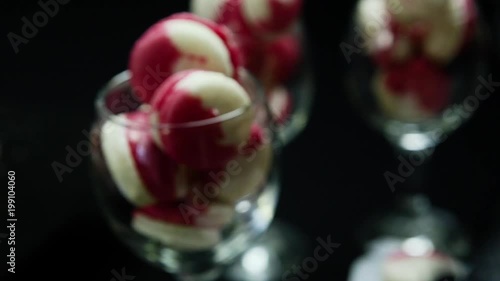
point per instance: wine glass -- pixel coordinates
(276, 53)
(417, 71)
(189, 222)
(291, 103)
(415, 95)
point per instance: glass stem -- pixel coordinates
(415, 168)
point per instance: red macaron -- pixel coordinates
(181, 42)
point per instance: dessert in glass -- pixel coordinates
(274, 49)
(417, 71)
(417, 68)
(184, 153)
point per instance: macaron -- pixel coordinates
(202, 117)
(171, 225)
(413, 91)
(394, 32)
(243, 176)
(281, 59)
(451, 30)
(271, 16)
(142, 173)
(180, 42)
(259, 17)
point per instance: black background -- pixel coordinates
(332, 174)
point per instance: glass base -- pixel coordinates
(277, 250)
(414, 216)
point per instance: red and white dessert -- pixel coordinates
(280, 103)
(280, 60)
(401, 266)
(271, 15)
(180, 42)
(188, 102)
(394, 31)
(142, 173)
(214, 215)
(373, 27)
(261, 17)
(262, 29)
(244, 175)
(171, 225)
(225, 12)
(443, 26)
(213, 9)
(412, 91)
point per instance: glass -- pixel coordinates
(417, 99)
(210, 220)
(274, 48)
(417, 71)
(300, 90)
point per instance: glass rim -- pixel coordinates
(122, 79)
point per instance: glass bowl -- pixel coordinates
(184, 220)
